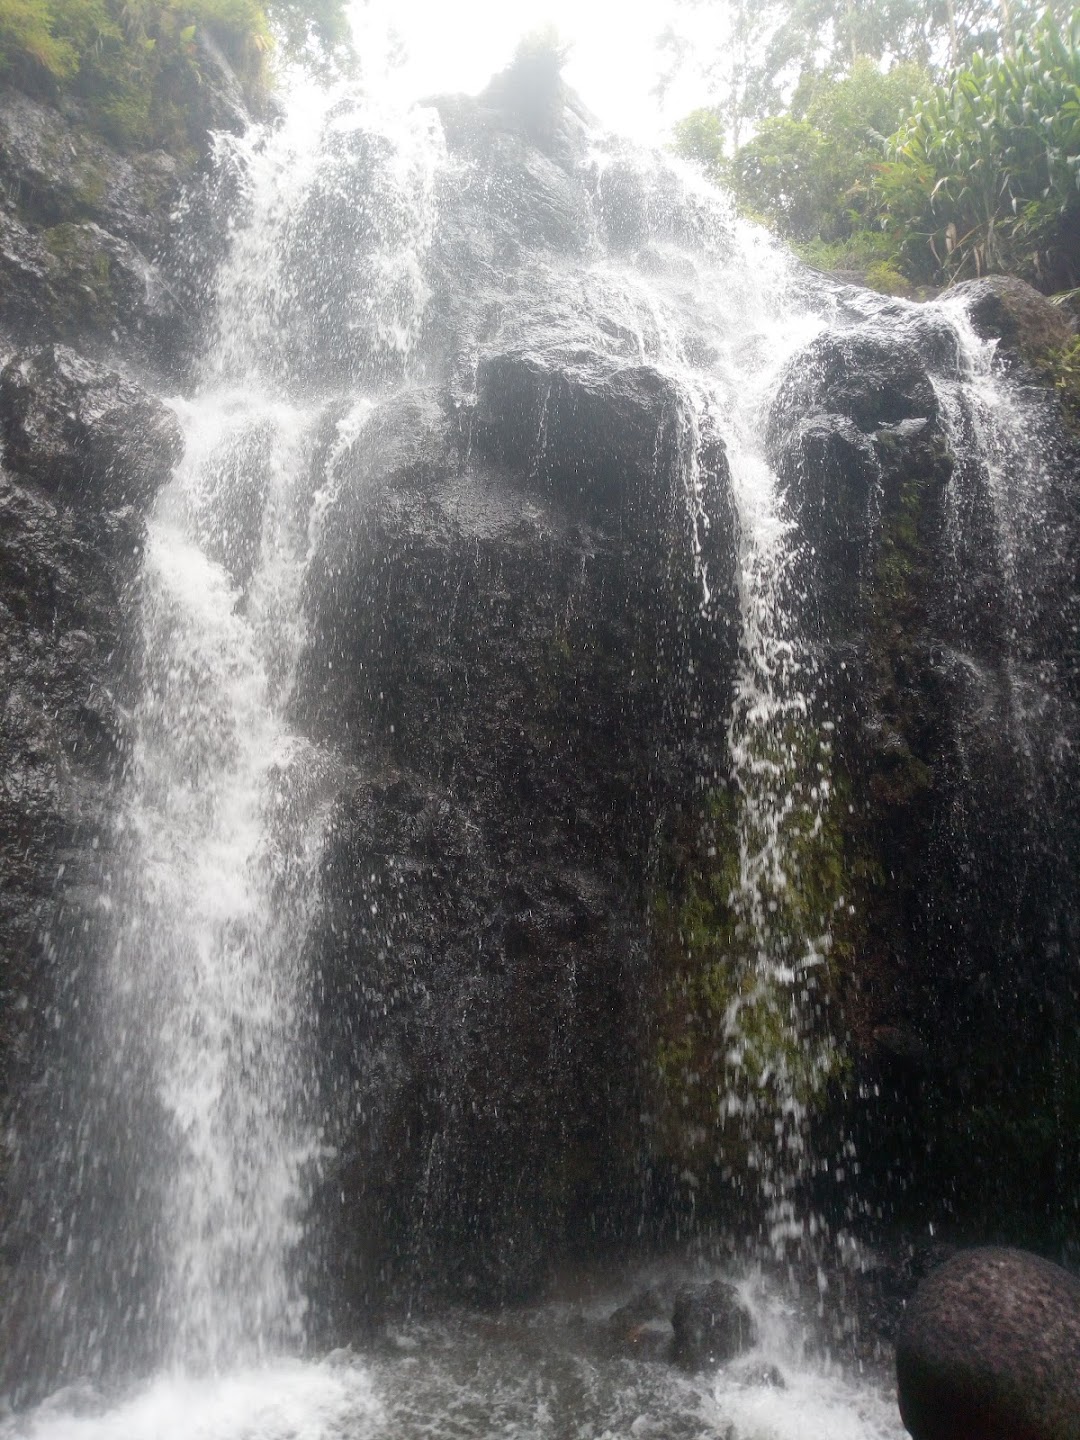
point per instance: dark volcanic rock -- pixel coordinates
(500, 640)
(65, 577)
(24, 274)
(854, 433)
(989, 1349)
(77, 282)
(87, 252)
(531, 196)
(84, 432)
(711, 1324)
(1005, 308)
(596, 426)
(937, 575)
(863, 376)
(56, 170)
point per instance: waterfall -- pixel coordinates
(224, 798)
(481, 459)
(774, 784)
(197, 1132)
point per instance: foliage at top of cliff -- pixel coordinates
(135, 64)
(964, 164)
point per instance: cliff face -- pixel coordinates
(941, 579)
(538, 1019)
(96, 317)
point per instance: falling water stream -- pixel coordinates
(206, 1001)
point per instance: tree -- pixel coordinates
(810, 173)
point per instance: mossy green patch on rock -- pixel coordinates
(80, 279)
(1060, 367)
(751, 925)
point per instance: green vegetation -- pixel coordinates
(135, 63)
(906, 175)
(1060, 366)
(986, 171)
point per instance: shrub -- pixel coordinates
(811, 174)
(985, 173)
(135, 62)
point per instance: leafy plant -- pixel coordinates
(28, 40)
(986, 171)
(135, 63)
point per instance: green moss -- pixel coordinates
(886, 279)
(135, 64)
(81, 277)
(750, 951)
(92, 186)
(1060, 367)
(28, 41)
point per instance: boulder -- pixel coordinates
(870, 377)
(83, 431)
(712, 1323)
(593, 424)
(488, 616)
(989, 1349)
(642, 1327)
(1007, 309)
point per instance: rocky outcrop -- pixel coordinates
(946, 658)
(499, 634)
(84, 235)
(86, 232)
(1004, 308)
(524, 626)
(84, 453)
(988, 1350)
(711, 1324)
(523, 629)
(84, 433)
(55, 170)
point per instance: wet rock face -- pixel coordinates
(988, 1350)
(500, 653)
(83, 432)
(505, 615)
(872, 379)
(62, 604)
(86, 237)
(84, 453)
(56, 170)
(1004, 308)
(936, 588)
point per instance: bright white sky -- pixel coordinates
(614, 60)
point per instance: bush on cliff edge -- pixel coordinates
(132, 62)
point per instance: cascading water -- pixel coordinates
(208, 1124)
(225, 801)
(198, 1141)
(776, 773)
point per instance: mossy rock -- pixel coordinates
(749, 959)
